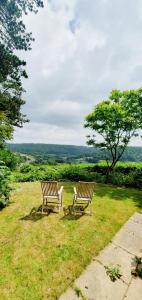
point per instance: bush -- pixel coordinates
(124, 168)
(9, 158)
(117, 178)
(25, 168)
(24, 177)
(4, 186)
(137, 179)
(36, 175)
(74, 173)
(81, 172)
(133, 179)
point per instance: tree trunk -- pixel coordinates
(110, 169)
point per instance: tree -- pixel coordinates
(13, 36)
(13, 31)
(11, 72)
(116, 121)
(11, 67)
(11, 102)
(6, 129)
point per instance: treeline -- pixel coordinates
(50, 153)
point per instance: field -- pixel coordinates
(40, 256)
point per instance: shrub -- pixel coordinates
(133, 179)
(117, 178)
(36, 175)
(9, 158)
(4, 185)
(137, 179)
(25, 168)
(80, 172)
(74, 173)
(124, 168)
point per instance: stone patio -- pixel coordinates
(95, 284)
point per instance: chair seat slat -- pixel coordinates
(51, 192)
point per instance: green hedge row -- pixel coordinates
(120, 168)
(72, 173)
(76, 173)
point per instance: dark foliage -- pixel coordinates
(4, 185)
(11, 66)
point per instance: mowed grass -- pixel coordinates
(40, 256)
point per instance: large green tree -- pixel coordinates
(13, 36)
(115, 121)
(11, 73)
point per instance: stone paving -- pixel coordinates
(95, 284)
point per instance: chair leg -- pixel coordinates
(91, 209)
(73, 206)
(42, 206)
(60, 203)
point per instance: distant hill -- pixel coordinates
(71, 151)
(68, 150)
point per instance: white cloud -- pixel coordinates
(83, 50)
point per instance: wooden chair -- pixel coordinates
(51, 194)
(83, 194)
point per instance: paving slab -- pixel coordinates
(70, 295)
(96, 284)
(128, 241)
(137, 217)
(113, 255)
(135, 290)
(134, 228)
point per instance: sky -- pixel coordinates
(83, 49)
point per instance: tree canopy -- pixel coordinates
(13, 31)
(11, 103)
(115, 120)
(13, 36)
(11, 67)
(6, 129)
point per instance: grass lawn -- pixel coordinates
(40, 256)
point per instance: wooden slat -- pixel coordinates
(85, 189)
(49, 188)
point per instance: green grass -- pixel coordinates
(40, 256)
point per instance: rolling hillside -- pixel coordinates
(71, 151)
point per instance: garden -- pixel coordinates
(43, 252)
(41, 255)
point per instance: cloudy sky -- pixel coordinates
(83, 49)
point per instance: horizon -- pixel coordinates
(32, 143)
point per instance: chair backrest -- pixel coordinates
(85, 189)
(49, 188)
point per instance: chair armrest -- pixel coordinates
(75, 191)
(60, 190)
